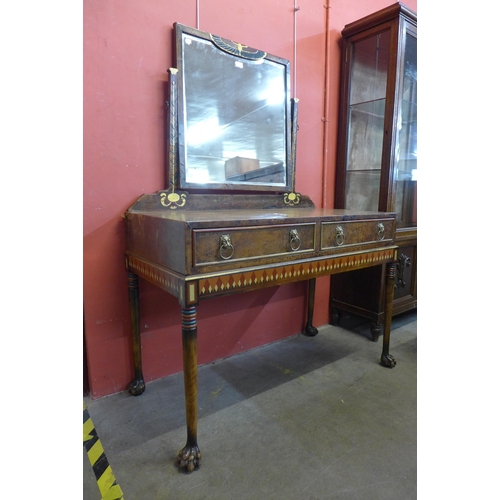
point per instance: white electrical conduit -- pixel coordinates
(326, 102)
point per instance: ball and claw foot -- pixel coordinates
(189, 458)
(388, 361)
(137, 387)
(311, 331)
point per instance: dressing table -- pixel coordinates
(230, 220)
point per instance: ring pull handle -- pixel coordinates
(339, 235)
(294, 240)
(226, 249)
(380, 231)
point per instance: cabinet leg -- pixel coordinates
(387, 359)
(137, 386)
(189, 457)
(375, 330)
(334, 316)
(310, 330)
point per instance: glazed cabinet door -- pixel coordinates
(376, 165)
(365, 120)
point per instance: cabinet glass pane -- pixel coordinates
(406, 153)
(362, 188)
(370, 58)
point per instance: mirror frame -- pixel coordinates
(288, 185)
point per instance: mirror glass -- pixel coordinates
(234, 115)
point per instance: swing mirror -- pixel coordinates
(234, 115)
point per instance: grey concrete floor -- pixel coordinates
(304, 418)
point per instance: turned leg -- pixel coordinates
(334, 316)
(137, 386)
(310, 330)
(387, 359)
(189, 457)
(375, 330)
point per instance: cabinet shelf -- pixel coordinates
(375, 107)
(363, 170)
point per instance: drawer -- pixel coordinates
(350, 233)
(215, 246)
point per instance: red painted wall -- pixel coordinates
(128, 48)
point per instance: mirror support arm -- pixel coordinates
(169, 198)
(173, 130)
(295, 127)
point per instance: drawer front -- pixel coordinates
(216, 246)
(350, 233)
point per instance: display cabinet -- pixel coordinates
(377, 153)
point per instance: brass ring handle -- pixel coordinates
(339, 235)
(380, 231)
(226, 249)
(294, 240)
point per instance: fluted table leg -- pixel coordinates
(189, 457)
(310, 330)
(137, 386)
(387, 359)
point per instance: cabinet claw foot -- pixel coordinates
(136, 387)
(189, 458)
(388, 361)
(311, 331)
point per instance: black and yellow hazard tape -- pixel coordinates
(106, 481)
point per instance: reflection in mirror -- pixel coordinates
(233, 115)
